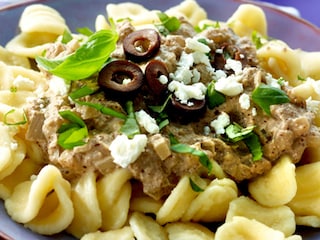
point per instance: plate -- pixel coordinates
(297, 32)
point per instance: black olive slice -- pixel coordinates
(153, 71)
(142, 44)
(121, 76)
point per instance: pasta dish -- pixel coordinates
(159, 125)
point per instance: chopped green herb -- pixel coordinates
(13, 89)
(256, 39)
(281, 81)
(85, 31)
(82, 91)
(265, 96)
(206, 26)
(184, 148)
(168, 24)
(7, 122)
(72, 133)
(86, 60)
(130, 126)
(301, 78)
(66, 37)
(236, 133)
(214, 97)
(194, 186)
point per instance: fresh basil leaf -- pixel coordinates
(66, 37)
(265, 96)
(254, 145)
(214, 98)
(130, 126)
(168, 24)
(203, 158)
(161, 108)
(236, 133)
(82, 91)
(8, 123)
(72, 133)
(256, 39)
(194, 186)
(85, 31)
(86, 60)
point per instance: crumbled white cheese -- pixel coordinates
(234, 65)
(229, 86)
(185, 92)
(58, 86)
(219, 124)
(126, 151)
(24, 83)
(199, 57)
(195, 75)
(219, 51)
(272, 81)
(312, 105)
(220, 74)
(182, 74)
(197, 46)
(186, 60)
(163, 79)
(147, 122)
(206, 130)
(244, 101)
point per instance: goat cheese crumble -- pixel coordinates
(147, 122)
(126, 151)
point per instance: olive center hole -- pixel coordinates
(142, 45)
(121, 77)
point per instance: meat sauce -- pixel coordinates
(287, 130)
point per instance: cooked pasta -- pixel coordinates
(58, 168)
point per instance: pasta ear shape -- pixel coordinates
(87, 213)
(124, 233)
(277, 187)
(43, 204)
(114, 192)
(248, 18)
(188, 231)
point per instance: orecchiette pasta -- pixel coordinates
(43, 203)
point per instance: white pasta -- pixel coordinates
(268, 189)
(31, 203)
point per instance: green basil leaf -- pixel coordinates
(203, 158)
(74, 132)
(85, 31)
(8, 123)
(82, 91)
(214, 98)
(194, 186)
(254, 145)
(256, 39)
(168, 24)
(66, 37)
(236, 133)
(130, 126)
(86, 60)
(265, 96)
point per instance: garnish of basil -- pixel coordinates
(265, 96)
(214, 98)
(72, 133)
(130, 126)
(168, 24)
(185, 148)
(86, 60)
(8, 123)
(87, 90)
(236, 133)
(195, 187)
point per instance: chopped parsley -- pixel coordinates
(168, 24)
(130, 126)
(214, 98)
(7, 122)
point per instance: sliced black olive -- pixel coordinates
(153, 71)
(121, 76)
(142, 44)
(195, 105)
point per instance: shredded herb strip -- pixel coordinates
(72, 133)
(214, 98)
(236, 133)
(265, 96)
(86, 90)
(6, 121)
(86, 60)
(184, 148)
(130, 126)
(194, 186)
(168, 24)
